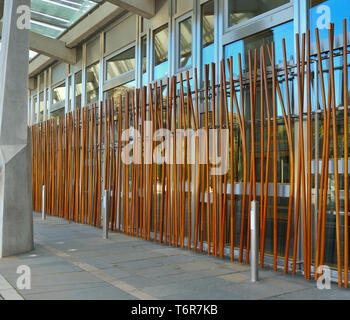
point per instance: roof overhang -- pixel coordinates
(144, 8)
(88, 26)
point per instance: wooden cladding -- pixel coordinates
(82, 154)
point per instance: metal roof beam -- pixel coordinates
(50, 47)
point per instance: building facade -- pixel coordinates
(132, 51)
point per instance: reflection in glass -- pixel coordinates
(121, 63)
(275, 34)
(338, 12)
(78, 89)
(92, 83)
(41, 107)
(120, 90)
(35, 102)
(59, 96)
(57, 113)
(243, 10)
(207, 25)
(144, 59)
(185, 45)
(160, 39)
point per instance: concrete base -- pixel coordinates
(16, 214)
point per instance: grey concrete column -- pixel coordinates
(16, 215)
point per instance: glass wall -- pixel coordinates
(41, 106)
(78, 89)
(58, 99)
(92, 83)
(185, 43)
(324, 11)
(160, 39)
(243, 10)
(144, 59)
(120, 90)
(120, 64)
(264, 38)
(207, 27)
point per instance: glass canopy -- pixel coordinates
(51, 18)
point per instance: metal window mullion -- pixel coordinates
(38, 100)
(66, 101)
(83, 77)
(101, 71)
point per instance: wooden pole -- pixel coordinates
(243, 135)
(288, 125)
(346, 156)
(207, 154)
(232, 217)
(335, 150)
(198, 166)
(267, 174)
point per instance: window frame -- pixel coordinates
(178, 21)
(152, 52)
(124, 76)
(61, 104)
(256, 24)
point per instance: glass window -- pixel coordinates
(207, 24)
(120, 90)
(78, 89)
(57, 113)
(121, 63)
(275, 34)
(59, 96)
(35, 101)
(185, 45)
(92, 83)
(161, 52)
(144, 59)
(243, 10)
(322, 12)
(41, 106)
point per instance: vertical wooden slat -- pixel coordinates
(335, 151)
(175, 176)
(291, 156)
(309, 153)
(127, 183)
(244, 146)
(267, 171)
(232, 216)
(198, 166)
(163, 196)
(214, 151)
(252, 182)
(206, 106)
(346, 156)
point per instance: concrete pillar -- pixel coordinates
(16, 215)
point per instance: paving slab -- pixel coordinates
(72, 261)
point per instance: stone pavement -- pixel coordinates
(72, 261)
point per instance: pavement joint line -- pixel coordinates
(101, 275)
(7, 292)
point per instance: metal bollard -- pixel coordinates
(106, 211)
(43, 207)
(254, 246)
